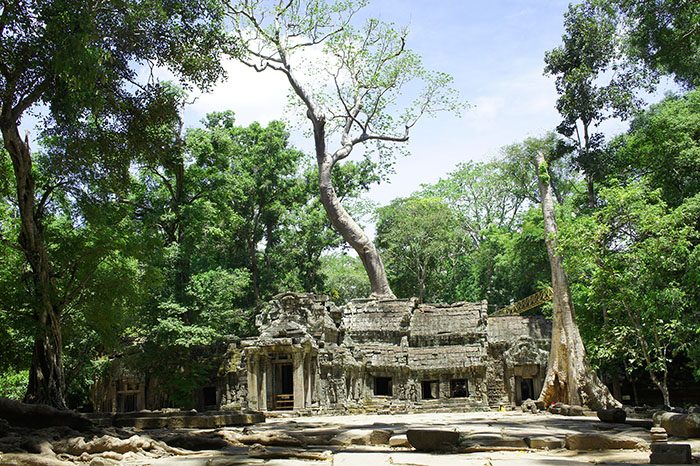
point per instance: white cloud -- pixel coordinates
(253, 96)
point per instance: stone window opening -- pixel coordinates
(459, 388)
(430, 389)
(382, 386)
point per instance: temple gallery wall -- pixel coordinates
(369, 355)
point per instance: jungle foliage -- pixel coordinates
(122, 230)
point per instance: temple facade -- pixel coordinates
(369, 355)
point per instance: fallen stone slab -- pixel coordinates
(492, 440)
(679, 425)
(399, 441)
(515, 442)
(575, 410)
(670, 453)
(432, 439)
(544, 443)
(640, 423)
(263, 452)
(362, 437)
(598, 441)
(39, 416)
(613, 415)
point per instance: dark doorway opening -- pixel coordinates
(458, 388)
(209, 395)
(527, 389)
(430, 390)
(129, 403)
(382, 386)
(284, 386)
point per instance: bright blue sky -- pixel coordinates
(494, 51)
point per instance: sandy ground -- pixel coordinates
(506, 424)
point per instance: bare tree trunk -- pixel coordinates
(569, 379)
(661, 384)
(351, 231)
(46, 377)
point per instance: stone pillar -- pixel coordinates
(308, 381)
(298, 368)
(316, 385)
(253, 380)
(265, 383)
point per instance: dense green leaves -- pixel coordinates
(147, 234)
(594, 83)
(417, 235)
(664, 145)
(664, 34)
(473, 235)
(633, 260)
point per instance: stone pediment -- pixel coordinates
(284, 329)
(526, 351)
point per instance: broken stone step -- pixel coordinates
(544, 443)
(670, 453)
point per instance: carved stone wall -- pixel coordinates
(375, 356)
(397, 355)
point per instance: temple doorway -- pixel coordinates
(283, 385)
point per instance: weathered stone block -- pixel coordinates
(575, 410)
(670, 453)
(541, 443)
(679, 425)
(616, 415)
(595, 441)
(362, 437)
(515, 442)
(432, 439)
(399, 441)
(493, 440)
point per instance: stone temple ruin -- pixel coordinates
(369, 355)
